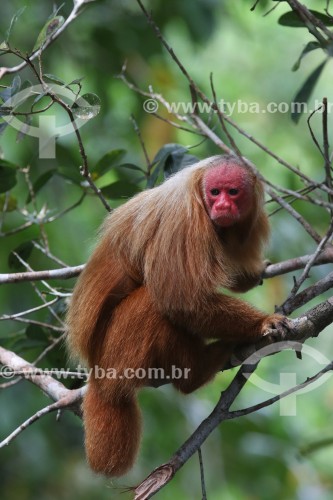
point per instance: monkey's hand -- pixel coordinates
(275, 327)
(266, 263)
(244, 281)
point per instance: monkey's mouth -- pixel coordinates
(225, 219)
(225, 215)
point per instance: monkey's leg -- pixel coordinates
(187, 360)
(140, 338)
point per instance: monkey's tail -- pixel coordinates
(112, 431)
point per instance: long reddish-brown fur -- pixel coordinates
(149, 297)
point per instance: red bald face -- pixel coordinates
(228, 194)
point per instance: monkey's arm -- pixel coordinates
(245, 282)
(231, 319)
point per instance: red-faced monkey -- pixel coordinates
(150, 296)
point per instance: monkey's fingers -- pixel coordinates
(279, 329)
(271, 323)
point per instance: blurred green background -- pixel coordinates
(251, 56)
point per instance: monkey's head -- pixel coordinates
(228, 193)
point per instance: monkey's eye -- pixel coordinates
(233, 191)
(214, 191)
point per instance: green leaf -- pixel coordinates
(11, 340)
(16, 84)
(54, 79)
(304, 93)
(308, 48)
(160, 159)
(87, 106)
(48, 30)
(35, 332)
(26, 344)
(76, 81)
(168, 149)
(57, 9)
(8, 92)
(293, 20)
(131, 166)
(107, 161)
(5, 94)
(24, 251)
(3, 126)
(24, 130)
(26, 84)
(177, 161)
(329, 48)
(170, 159)
(70, 173)
(120, 189)
(13, 22)
(41, 181)
(10, 202)
(7, 176)
(40, 97)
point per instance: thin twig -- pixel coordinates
(202, 475)
(72, 16)
(67, 401)
(138, 133)
(28, 311)
(308, 228)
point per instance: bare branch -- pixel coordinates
(54, 389)
(308, 294)
(308, 228)
(28, 311)
(288, 266)
(59, 274)
(292, 390)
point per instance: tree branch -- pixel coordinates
(61, 274)
(290, 265)
(52, 388)
(307, 325)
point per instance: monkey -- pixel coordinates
(154, 294)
